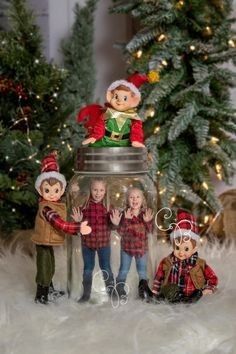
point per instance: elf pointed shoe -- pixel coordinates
(54, 294)
(41, 295)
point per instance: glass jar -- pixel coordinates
(121, 168)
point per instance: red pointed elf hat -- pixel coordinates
(185, 227)
(133, 82)
(49, 169)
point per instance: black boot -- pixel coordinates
(144, 291)
(55, 294)
(110, 285)
(87, 285)
(41, 295)
(120, 289)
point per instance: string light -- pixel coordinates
(164, 62)
(205, 185)
(192, 48)
(156, 130)
(162, 191)
(150, 112)
(214, 140)
(69, 147)
(161, 37)
(173, 199)
(139, 53)
(231, 43)
(206, 219)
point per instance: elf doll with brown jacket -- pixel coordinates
(117, 124)
(50, 225)
(183, 276)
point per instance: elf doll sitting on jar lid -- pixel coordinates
(117, 124)
(50, 226)
(183, 276)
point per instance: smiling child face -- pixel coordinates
(135, 199)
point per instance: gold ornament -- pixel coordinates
(153, 76)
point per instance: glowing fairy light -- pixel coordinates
(214, 140)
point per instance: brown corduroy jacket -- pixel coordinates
(44, 233)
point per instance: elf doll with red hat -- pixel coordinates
(117, 124)
(183, 276)
(50, 226)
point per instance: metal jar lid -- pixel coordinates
(112, 160)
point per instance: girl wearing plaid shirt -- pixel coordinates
(98, 241)
(135, 224)
(183, 276)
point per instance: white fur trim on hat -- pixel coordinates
(184, 233)
(128, 84)
(51, 174)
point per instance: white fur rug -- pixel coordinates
(71, 328)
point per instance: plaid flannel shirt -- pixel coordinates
(209, 275)
(134, 234)
(58, 223)
(99, 219)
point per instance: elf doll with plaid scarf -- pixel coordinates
(183, 276)
(117, 124)
(50, 226)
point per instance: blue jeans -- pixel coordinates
(104, 255)
(125, 263)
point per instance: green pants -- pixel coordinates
(45, 265)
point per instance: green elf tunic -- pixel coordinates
(118, 127)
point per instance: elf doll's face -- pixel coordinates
(122, 100)
(51, 193)
(184, 250)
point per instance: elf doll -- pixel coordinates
(50, 226)
(117, 124)
(183, 276)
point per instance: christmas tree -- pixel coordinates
(30, 115)
(80, 82)
(189, 118)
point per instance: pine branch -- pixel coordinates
(181, 121)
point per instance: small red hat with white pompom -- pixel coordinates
(186, 226)
(133, 82)
(50, 169)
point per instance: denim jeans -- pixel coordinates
(125, 263)
(104, 255)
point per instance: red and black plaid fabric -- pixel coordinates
(181, 270)
(186, 221)
(133, 232)
(99, 219)
(58, 223)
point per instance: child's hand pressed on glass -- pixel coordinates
(148, 215)
(77, 215)
(115, 217)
